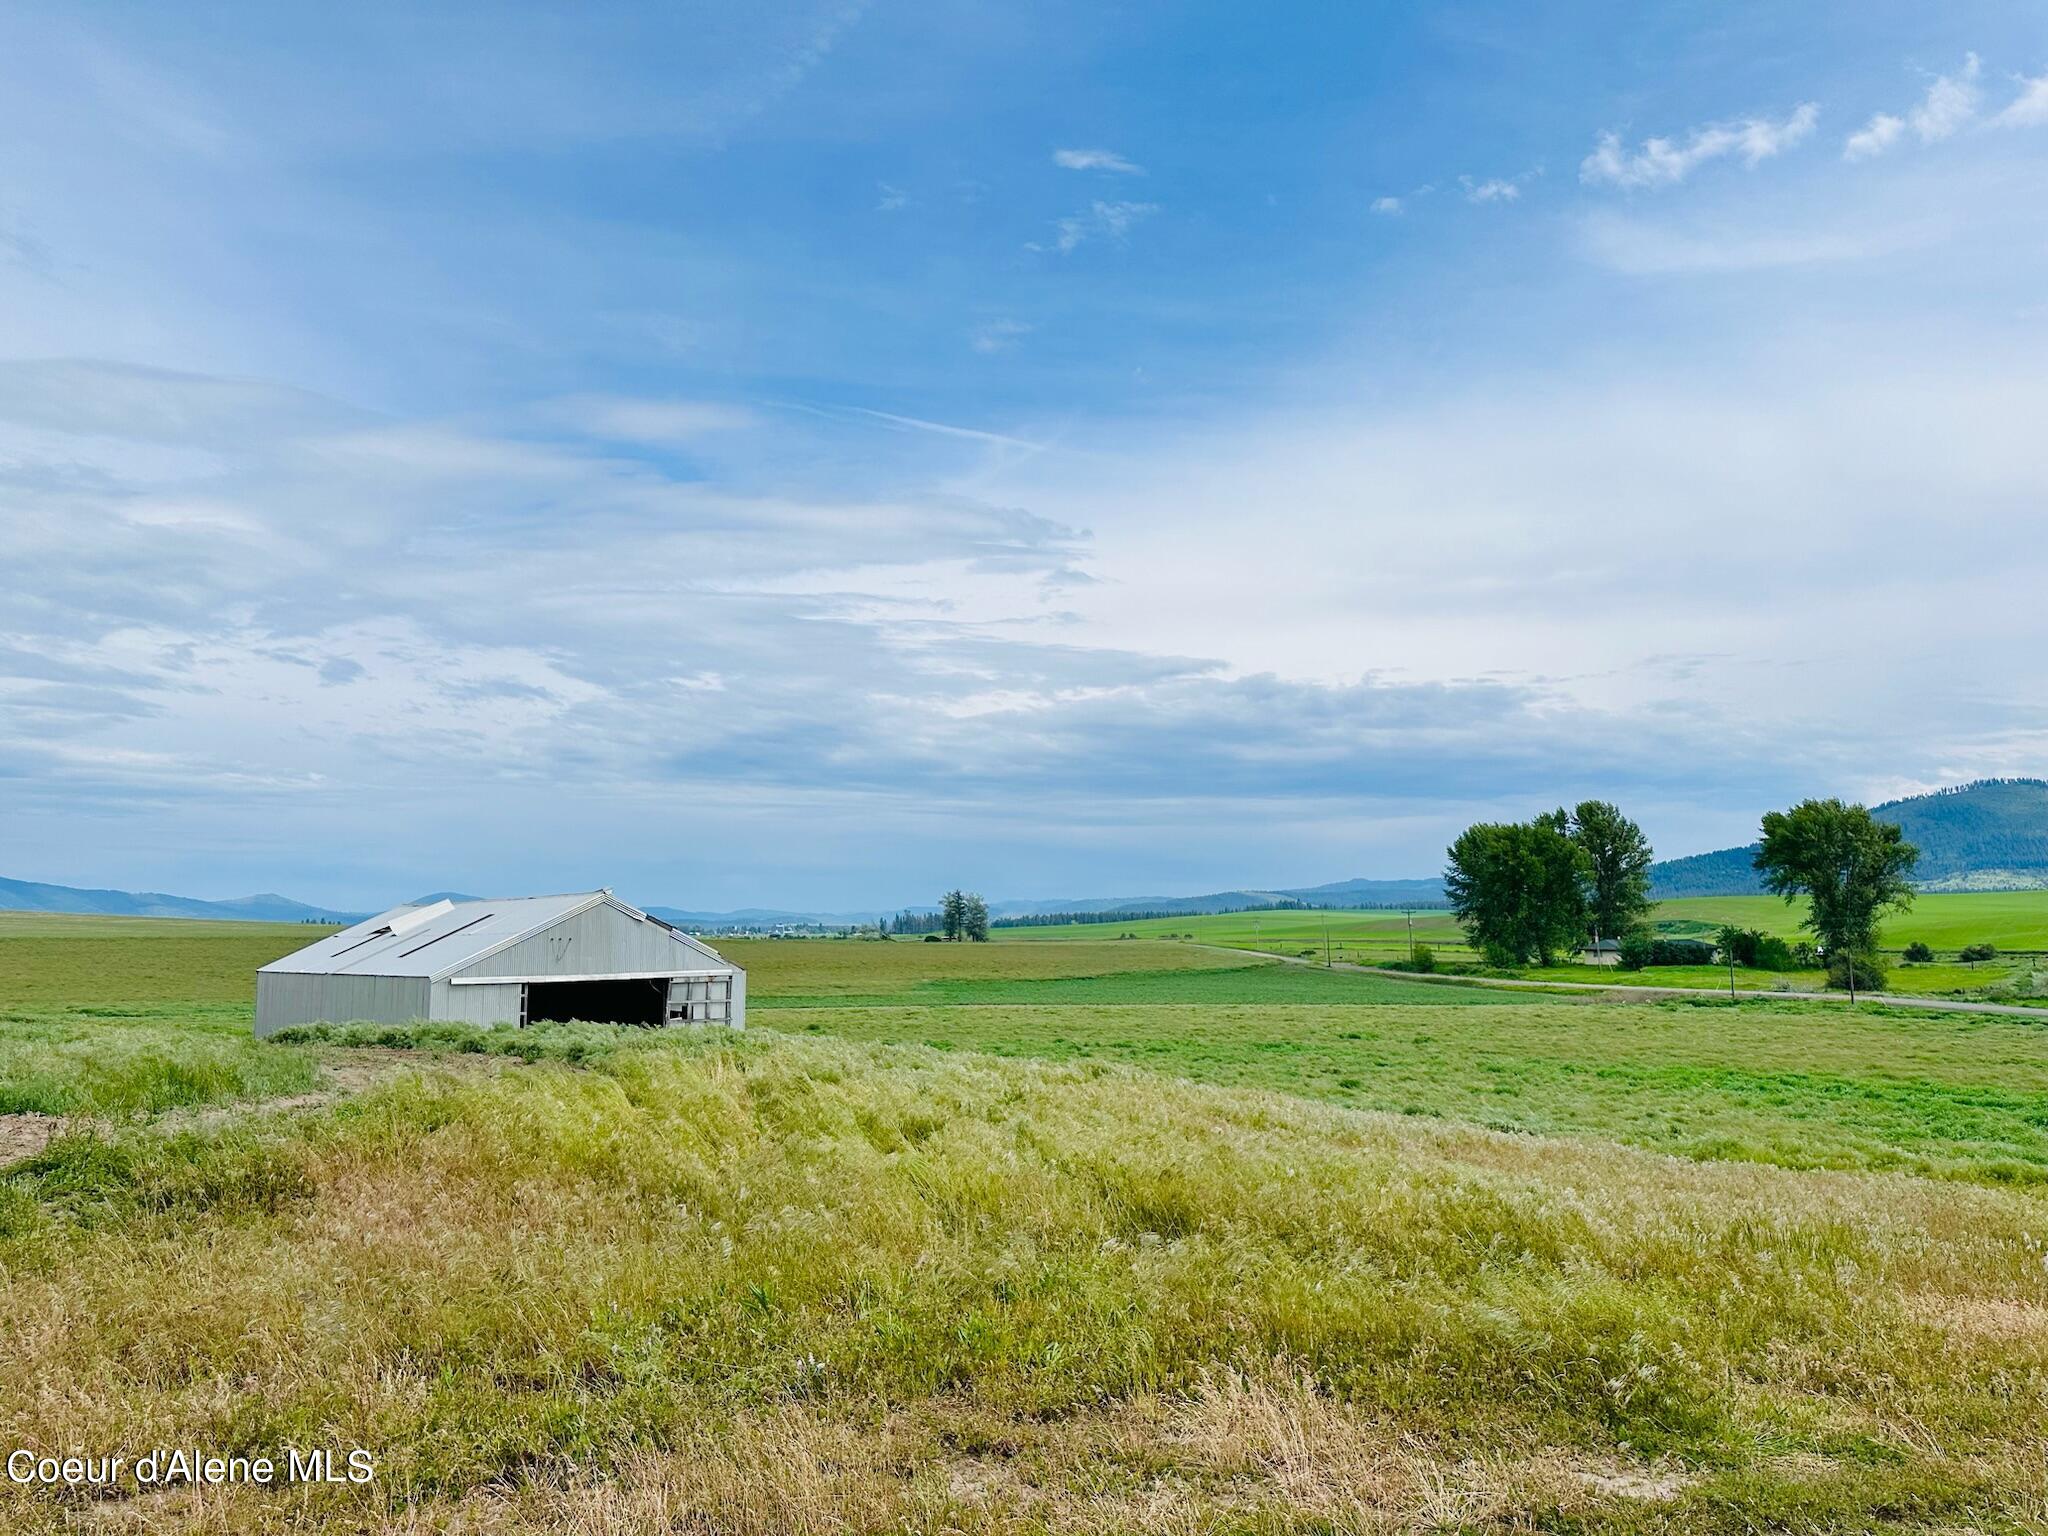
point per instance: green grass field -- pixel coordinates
(2015, 920)
(1060, 1236)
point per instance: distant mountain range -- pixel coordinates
(29, 896)
(1988, 836)
(1342, 893)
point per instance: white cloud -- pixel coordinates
(889, 199)
(996, 335)
(1874, 137)
(1663, 162)
(1110, 221)
(2030, 108)
(1949, 106)
(1493, 190)
(1095, 160)
(1820, 450)
(1387, 205)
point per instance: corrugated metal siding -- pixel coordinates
(476, 1005)
(601, 941)
(285, 998)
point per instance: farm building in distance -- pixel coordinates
(1601, 952)
(517, 961)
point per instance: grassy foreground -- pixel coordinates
(1069, 1236)
(822, 1286)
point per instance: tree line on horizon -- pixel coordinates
(1533, 890)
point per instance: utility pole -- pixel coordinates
(1411, 938)
(1731, 975)
(1326, 943)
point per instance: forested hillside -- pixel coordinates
(1988, 836)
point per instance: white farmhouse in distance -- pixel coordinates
(515, 961)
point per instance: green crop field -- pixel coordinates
(2015, 922)
(1946, 920)
(1083, 1234)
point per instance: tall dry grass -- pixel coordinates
(772, 1285)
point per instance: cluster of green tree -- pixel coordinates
(1533, 890)
(1529, 890)
(1755, 949)
(963, 915)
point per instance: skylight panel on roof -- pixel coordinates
(437, 938)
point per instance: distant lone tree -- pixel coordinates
(1618, 867)
(974, 918)
(953, 916)
(1518, 888)
(1851, 867)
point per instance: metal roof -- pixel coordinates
(442, 937)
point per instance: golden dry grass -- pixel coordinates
(768, 1285)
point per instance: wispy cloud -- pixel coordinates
(1874, 137)
(2030, 108)
(1642, 248)
(889, 199)
(1095, 160)
(942, 428)
(1661, 162)
(1495, 189)
(1949, 105)
(996, 335)
(626, 419)
(1111, 221)
(1387, 205)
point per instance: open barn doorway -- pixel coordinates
(637, 1001)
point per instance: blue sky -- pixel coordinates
(814, 455)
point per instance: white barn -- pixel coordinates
(516, 961)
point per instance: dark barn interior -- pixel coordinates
(599, 1002)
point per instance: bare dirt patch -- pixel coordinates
(26, 1135)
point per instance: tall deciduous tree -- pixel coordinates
(1852, 869)
(1618, 867)
(1519, 888)
(953, 916)
(974, 918)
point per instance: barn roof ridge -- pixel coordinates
(388, 945)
